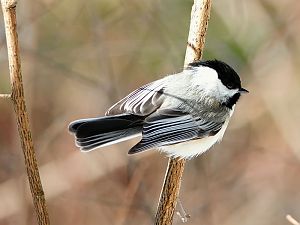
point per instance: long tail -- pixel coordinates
(99, 132)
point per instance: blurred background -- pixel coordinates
(79, 57)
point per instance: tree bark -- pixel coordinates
(168, 198)
(18, 101)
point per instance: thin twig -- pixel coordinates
(199, 22)
(182, 213)
(292, 220)
(170, 191)
(169, 194)
(5, 96)
(18, 100)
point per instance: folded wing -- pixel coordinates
(168, 126)
(142, 101)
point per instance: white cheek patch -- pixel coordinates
(211, 84)
(206, 77)
(224, 91)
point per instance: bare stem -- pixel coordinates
(292, 220)
(18, 100)
(8, 96)
(170, 191)
(199, 22)
(168, 198)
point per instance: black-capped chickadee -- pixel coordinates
(182, 114)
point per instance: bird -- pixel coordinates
(182, 115)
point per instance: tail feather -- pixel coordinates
(107, 139)
(99, 132)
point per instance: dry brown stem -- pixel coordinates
(199, 22)
(18, 100)
(170, 191)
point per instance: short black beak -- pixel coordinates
(243, 91)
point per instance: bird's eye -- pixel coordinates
(230, 86)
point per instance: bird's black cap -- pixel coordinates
(226, 74)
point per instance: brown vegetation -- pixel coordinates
(79, 57)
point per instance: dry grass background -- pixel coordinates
(79, 57)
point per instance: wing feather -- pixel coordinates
(142, 101)
(167, 127)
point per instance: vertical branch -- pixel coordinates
(170, 191)
(18, 101)
(198, 26)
